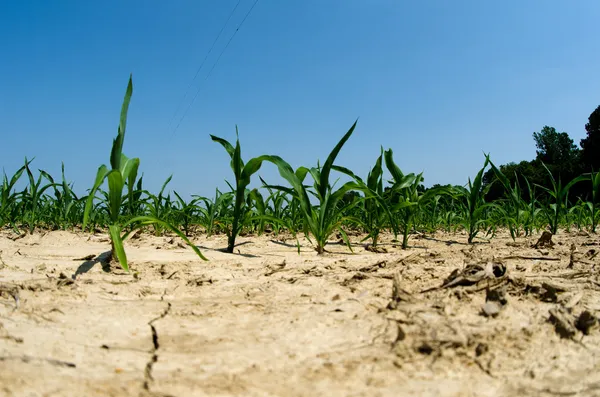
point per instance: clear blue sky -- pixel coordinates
(438, 81)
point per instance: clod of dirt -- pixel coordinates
(585, 321)
(550, 291)
(564, 322)
(498, 269)
(200, 281)
(425, 348)
(400, 335)
(64, 280)
(496, 295)
(491, 309)
(399, 295)
(545, 240)
(355, 278)
(374, 267)
(313, 271)
(376, 249)
(17, 237)
(481, 349)
(12, 291)
(574, 300)
(471, 274)
(275, 268)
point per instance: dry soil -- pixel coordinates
(268, 321)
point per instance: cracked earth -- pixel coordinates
(498, 318)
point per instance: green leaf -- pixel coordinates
(225, 144)
(324, 181)
(100, 175)
(115, 193)
(142, 221)
(117, 148)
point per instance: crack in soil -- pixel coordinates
(155, 346)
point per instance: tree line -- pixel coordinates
(559, 153)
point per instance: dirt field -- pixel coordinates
(269, 322)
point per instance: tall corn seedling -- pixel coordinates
(123, 172)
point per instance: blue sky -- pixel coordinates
(437, 81)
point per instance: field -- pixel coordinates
(364, 287)
(268, 321)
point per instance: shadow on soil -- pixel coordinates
(103, 259)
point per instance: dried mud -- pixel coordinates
(497, 318)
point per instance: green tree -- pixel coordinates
(556, 148)
(590, 145)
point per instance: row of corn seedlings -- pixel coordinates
(388, 200)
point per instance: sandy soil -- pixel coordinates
(267, 321)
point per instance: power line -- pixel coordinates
(215, 64)
(202, 64)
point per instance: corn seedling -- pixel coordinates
(473, 204)
(559, 193)
(123, 172)
(9, 199)
(243, 173)
(186, 212)
(594, 205)
(322, 220)
(158, 206)
(214, 211)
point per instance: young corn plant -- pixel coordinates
(594, 205)
(256, 201)
(516, 208)
(409, 202)
(64, 209)
(375, 214)
(214, 211)
(31, 196)
(9, 198)
(473, 204)
(158, 206)
(557, 210)
(243, 173)
(186, 212)
(578, 215)
(277, 204)
(320, 221)
(123, 172)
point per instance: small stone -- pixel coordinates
(491, 309)
(481, 349)
(585, 321)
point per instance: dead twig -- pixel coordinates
(470, 275)
(491, 285)
(27, 359)
(374, 267)
(567, 276)
(533, 258)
